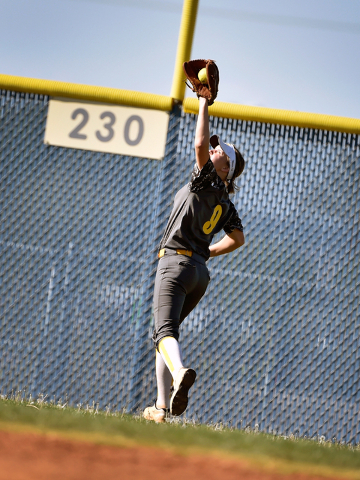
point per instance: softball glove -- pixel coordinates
(207, 90)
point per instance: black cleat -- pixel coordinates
(184, 381)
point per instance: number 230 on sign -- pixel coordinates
(132, 131)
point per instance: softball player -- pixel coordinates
(201, 209)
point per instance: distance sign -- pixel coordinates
(138, 132)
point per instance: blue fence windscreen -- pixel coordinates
(275, 340)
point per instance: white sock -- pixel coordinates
(164, 382)
(170, 352)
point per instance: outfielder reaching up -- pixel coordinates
(201, 209)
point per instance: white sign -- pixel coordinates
(107, 128)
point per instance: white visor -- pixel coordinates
(229, 150)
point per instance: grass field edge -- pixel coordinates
(252, 461)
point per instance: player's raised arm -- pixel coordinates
(203, 76)
(202, 134)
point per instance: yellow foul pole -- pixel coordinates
(186, 35)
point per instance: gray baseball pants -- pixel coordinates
(180, 283)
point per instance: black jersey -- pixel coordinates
(201, 209)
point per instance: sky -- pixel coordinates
(286, 54)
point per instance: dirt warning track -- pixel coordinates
(33, 456)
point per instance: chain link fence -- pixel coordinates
(275, 340)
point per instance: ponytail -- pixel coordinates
(239, 168)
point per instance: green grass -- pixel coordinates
(183, 436)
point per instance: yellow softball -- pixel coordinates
(202, 76)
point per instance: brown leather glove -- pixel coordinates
(207, 90)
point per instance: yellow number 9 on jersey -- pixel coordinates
(209, 226)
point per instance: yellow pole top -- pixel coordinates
(186, 35)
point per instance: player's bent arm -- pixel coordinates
(228, 244)
(202, 134)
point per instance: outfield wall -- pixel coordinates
(275, 341)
